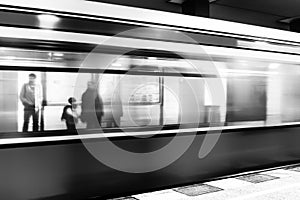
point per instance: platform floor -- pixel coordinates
(270, 185)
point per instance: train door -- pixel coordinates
(246, 98)
(290, 93)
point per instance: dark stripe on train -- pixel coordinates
(105, 71)
(58, 133)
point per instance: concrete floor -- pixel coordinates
(276, 185)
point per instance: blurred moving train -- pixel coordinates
(161, 68)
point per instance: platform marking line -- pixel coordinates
(197, 189)
(257, 178)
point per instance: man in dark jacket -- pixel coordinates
(70, 115)
(91, 107)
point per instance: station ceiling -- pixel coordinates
(268, 13)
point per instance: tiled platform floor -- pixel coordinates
(276, 185)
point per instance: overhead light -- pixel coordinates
(58, 54)
(274, 66)
(116, 64)
(176, 1)
(48, 21)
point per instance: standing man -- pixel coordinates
(31, 96)
(91, 107)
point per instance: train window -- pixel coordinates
(128, 100)
(246, 92)
(183, 97)
(246, 99)
(148, 91)
(59, 87)
(285, 83)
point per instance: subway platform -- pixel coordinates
(276, 184)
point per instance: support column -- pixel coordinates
(196, 8)
(295, 25)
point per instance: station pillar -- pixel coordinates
(196, 8)
(295, 25)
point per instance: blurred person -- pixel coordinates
(70, 114)
(117, 110)
(91, 107)
(31, 97)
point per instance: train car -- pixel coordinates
(162, 99)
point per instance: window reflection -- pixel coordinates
(149, 95)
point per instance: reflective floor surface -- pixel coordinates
(277, 184)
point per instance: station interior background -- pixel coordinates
(268, 13)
